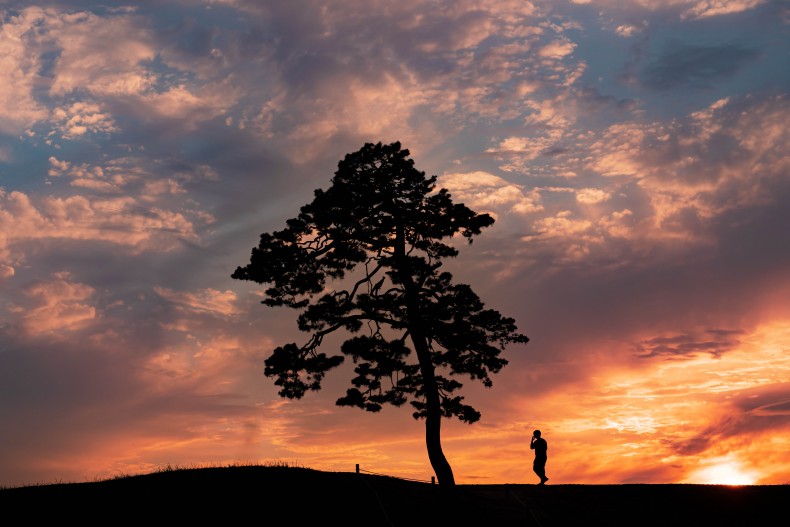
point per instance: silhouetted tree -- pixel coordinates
(382, 219)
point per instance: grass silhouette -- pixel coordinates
(290, 495)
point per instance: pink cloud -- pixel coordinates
(211, 301)
(100, 54)
(59, 305)
(117, 220)
(20, 65)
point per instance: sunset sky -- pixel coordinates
(633, 152)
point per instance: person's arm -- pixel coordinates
(532, 443)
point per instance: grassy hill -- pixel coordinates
(282, 495)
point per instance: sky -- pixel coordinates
(634, 154)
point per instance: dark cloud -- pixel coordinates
(772, 400)
(595, 102)
(718, 342)
(695, 66)
(753, 411)
(690, 446)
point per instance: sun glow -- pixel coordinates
(723, 472)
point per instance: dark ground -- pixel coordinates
(293, 496)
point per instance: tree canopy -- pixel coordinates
(365, 256)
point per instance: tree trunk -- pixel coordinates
(433, 420)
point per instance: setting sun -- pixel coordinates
(723, 472)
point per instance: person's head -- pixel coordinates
(536, 433)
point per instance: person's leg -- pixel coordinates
(539, 468)
(542, 473)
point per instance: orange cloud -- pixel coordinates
(684, 420)
(60, 305)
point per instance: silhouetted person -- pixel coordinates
(539, 445)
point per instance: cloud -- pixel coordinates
(103, 55)
(722, 158)
(191, 109)
(19, 107)
(524, 149)
(715, 342)
(211, 301)
(615, 154)
(119, 220)
(423, 73)
(81, 118)
(59, 305)
(6, 271)
(754, 411)
(691, 9)
(725, 403)
(710, 8)
(487, 192)
(557, 49)
(108, 61)
(591, 196)
(696, 66)
(629, 30)
(562, 225)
